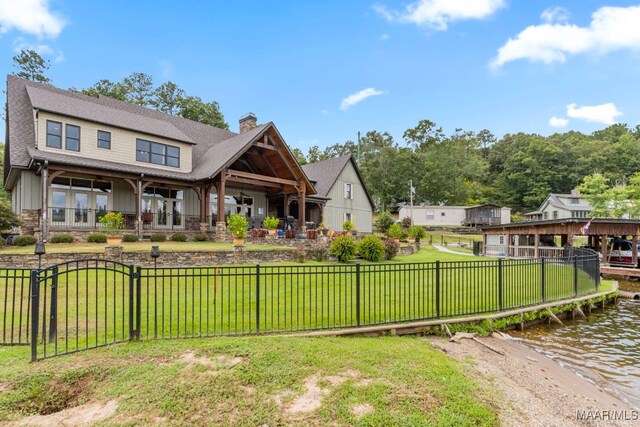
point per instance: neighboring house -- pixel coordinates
(70, 158)
(456, 216)
(339, 182)
(559, 206)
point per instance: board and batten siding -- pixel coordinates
(359, 207)
(26, 193)
(123, 143)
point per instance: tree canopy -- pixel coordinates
(31, 66)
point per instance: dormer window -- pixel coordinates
(54, 134)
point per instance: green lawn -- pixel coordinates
(138, 247)
(253, 381)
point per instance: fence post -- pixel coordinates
(53, 313)
(542, 279)
(358, 294)
(132, 275)
(258, 298)
(438, 289)
(139, 302)
(35, 311)
(575, 276)
(500, 285)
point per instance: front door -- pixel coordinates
(80, 209)
(58, 207)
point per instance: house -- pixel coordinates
(70, 158)
(456, 216)
(559, 206)
(339, 183)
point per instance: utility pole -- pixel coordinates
(358, 148)
(411, 191)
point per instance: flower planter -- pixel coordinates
(114, 240)
(238, 242)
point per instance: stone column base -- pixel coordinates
(113, 253)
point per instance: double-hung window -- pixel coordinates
(72, 138)
(104, 139)
(54, 134)
(156, 153)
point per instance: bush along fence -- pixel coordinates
(90, 303)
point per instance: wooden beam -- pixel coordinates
(220, 190)
(265, 146)
(301, 207)
(252, 182)
(263, 178)
(634, 250)
(603, 248)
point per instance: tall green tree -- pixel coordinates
(168, 98)
(31, 66)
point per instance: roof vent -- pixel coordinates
(247, 122)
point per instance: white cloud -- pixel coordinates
(437, 14)
(384, 37)
(558, 122)
(604, 113)
(355, 98)
(555, 14)
(611, 29)
(42, 49)
(30, 16)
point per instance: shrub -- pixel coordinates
(179, 237)
(391, 248)
(200, 237)
(371, 249)
(129, 238)
(343, 248)
(395, 231)
(271, 223)
(24, 240)
(237, 225)
(348, 226)
(405, 222)
(62, 238)
(158, 237)
(2, 241)
(417, 232)
(97, 238)
(8, 218)
(319, 253)
(384, 221)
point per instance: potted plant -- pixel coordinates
(395, 232)
(113, 222)
(349, 227)
(271, 223)
(237, 225)
(322, 229)
(416, 232)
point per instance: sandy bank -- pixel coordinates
(536, 390)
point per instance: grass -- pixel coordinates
(404, 380)
(138, 247)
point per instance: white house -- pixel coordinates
(560, 206)
(456, 216)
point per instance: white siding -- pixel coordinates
(442, 215)
(358, 206)
(123, 143)
(505, 216)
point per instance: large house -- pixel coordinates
(559, 206)
(456, 216)
(71, 158)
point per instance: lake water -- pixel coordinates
(604, 348)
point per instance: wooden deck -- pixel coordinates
(620, 271)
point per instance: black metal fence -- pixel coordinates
(90, 303)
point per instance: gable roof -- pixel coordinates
(325, 173)
(213, 148)
(557, 200)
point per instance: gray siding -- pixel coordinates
(29, 192)
(123, 197)
(359, 206)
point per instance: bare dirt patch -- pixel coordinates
(4, 387)
(220, 362)
(83, 415)
(361, 410)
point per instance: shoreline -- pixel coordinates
(537, 390)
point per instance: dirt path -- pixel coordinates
(536, 390)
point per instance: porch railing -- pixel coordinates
(89, 219)
(525, 251)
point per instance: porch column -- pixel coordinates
(570, 239)
(507, 245)
(603, 248)
(484, 244)
(220, 187)
(301, 208)
(45, 203)
(139, 208)
(634, 250)
(536, 245)
(286, 204)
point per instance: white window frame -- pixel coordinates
(348, 190)
(430, 216)
(348, 216)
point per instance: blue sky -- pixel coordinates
(324, 70)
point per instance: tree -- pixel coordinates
(594, 189)
(108, 88)
(299, 155)
(31, 66)
(193, 108)
(8, 218)
(139, 88)
(168, 98)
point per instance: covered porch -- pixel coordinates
(548, 239)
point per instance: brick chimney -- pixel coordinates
(248, 122)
